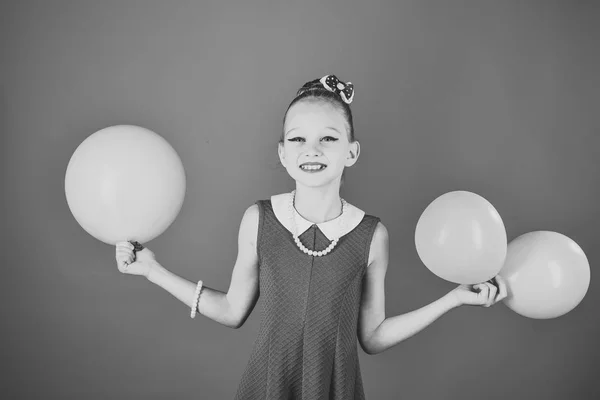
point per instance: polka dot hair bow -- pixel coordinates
(333, 84)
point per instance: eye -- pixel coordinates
(326, 138)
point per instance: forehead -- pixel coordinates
(314, 113)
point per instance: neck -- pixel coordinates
(318, 204)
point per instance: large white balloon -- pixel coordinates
(124, 183)
(461, 238)
(547, 274)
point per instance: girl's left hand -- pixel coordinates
(482, 294)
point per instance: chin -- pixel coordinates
(315, 183)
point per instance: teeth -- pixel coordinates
(312, 167)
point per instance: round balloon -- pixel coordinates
(547, 274)
(124, 183)
(461, 238)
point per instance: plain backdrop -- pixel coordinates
(499, 98)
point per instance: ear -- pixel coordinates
(281, 153)
(353, 153)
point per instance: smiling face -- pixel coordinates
(315, 148)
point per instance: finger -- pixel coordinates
(122, 265)
(492, 294)
(502, 288)
(482, 293)
(124, 250)
(127, 259)
(125, 245)
(492, 286)
(129, 255)
(123, 258)
(125, 255)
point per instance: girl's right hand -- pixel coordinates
(134, 263)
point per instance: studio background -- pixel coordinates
(497, 98)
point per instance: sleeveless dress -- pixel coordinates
(306, 348)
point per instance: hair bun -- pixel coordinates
(311, 85)
(330, 83)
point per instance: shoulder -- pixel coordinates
(251, 212)
(250, 221)
(380, 236)
(379, 243)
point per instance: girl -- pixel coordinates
(318, 261)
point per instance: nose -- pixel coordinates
(313, 149)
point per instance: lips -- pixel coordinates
(313, 163)
(312, 166)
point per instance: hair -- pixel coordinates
(314, 92)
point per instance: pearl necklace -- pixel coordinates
(295, 234)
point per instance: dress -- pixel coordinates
(306, 348)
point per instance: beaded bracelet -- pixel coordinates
(196, 299)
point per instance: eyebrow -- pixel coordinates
(328, 127)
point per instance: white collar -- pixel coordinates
(330, 229)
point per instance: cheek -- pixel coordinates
(339, 155)
(290, 151)
(290, 155)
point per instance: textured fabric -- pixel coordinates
(307, 344)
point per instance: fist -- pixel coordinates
(130, 261)
(483, 294)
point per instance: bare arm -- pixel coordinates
(232, 308)
(378, 333)
(395, 329)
